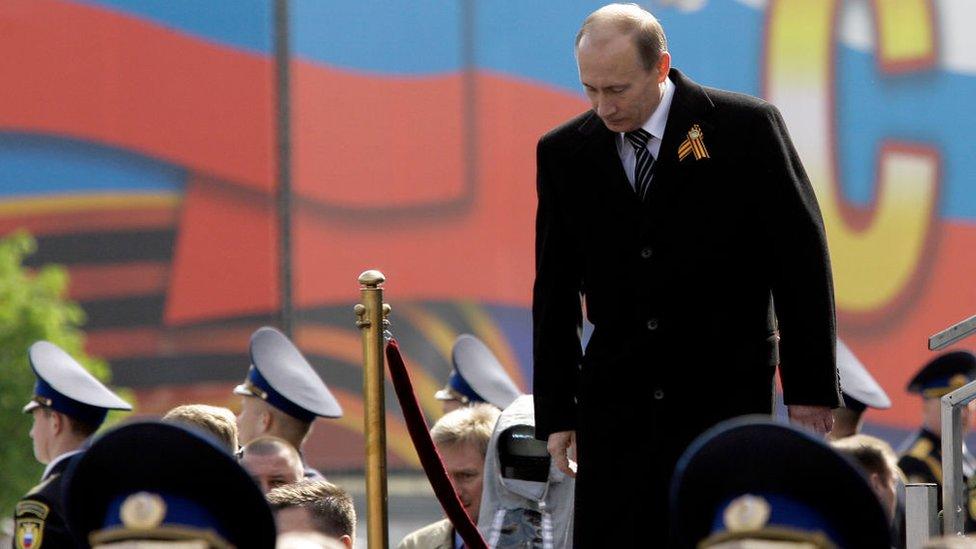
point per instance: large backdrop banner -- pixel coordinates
(138, 143)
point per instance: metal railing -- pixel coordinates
(953, 484)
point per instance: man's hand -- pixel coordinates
(562, 448)
(815, 418)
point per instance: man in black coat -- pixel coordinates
(684, 218)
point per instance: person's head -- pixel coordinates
(54, 433)
(623, 60)
(155, 484)
(752, 478)
(940, 376)
(271, 462)
(68, 404)
(879, 464)
(314, 505)
(214, 420)
(462, 438)
(282, 393)
(258, 418)
(477, 376)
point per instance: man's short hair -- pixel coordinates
(267, 445)
(77, 427)
(468, 425)
(633, 20)
(217, 421)
(330, 507)
(872, 454)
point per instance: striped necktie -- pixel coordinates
(644, 169)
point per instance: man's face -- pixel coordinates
(42, 434)
(465, 465)
(272, 470)
(623, 93)
(247, 420)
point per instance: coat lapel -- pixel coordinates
(690, 105)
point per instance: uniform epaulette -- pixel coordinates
(43, 483)
(921, 449)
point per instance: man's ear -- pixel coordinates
(876, 483)
(265, 420)
(346, 540)
(58, 422)
(663, 67)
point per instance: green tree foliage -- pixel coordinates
(33, 306)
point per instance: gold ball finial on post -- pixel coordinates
(372, 278)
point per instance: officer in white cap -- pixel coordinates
(860, 392)
(477, 376)
(282, 394)
(68, 406)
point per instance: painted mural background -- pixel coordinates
(137, 142)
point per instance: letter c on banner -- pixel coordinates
(877, 255)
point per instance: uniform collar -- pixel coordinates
(54, 462)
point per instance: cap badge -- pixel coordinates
(143, 511)
(958, 381)
(694, 144)
(746, 513)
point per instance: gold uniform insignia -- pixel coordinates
(693, 145)
(746, 513)
(29, 519)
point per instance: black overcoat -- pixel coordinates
(696, 294)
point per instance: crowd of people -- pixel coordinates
(201, 473)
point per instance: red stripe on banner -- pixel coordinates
(104, 76)
(123, 280)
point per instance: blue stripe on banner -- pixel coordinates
(243, 24)
(37, 165)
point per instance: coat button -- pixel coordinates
(652, 324)
(646, 253)
(658, 394)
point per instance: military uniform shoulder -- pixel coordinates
(569, 131)
(42, 487)
(432, 536)
(920, 462)
(917, 469)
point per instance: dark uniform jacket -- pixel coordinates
(922, 462)
(681, 291)
(39, 516)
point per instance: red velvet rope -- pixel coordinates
(429, 457)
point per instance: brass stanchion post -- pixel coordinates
(371, 314)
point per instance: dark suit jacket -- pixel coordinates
(42, 510)
(681, 288)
